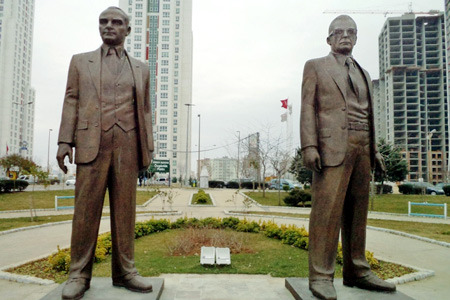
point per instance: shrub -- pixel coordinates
(446, 189)
(373, 262)
(387, 189)
(212, 222)
(60, 261)
(246, 226)
(202, 198)
(272, 230)
(296, 196)
(216, 184)
(230, 222)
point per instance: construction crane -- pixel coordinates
(383, 12)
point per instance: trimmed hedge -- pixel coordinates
(296, 196)
(290, 235)
(8, 185)
(446, 189)
(410, 189)
(216, 184)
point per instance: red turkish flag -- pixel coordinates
(284, 103)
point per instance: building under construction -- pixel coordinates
(412, 93)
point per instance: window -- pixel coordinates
(166, 14)
(165, 62)
(164, 103)
(175, 114)
(162, 154)
(164, 70)
(163, 120)
(138, 30)
(174, 146)
(175, 138)
(163, 145)
(175, 122)
(175, 105)
(137, 54)
(165, 54)
(139, 6)
(163, 128)
(165, 38)
(164, 87)
(164, 95)
(138, 22)
(175, 130)
(165, 30)
(164, 112)
(174, 171)
(165, 46)
(164, 79)
(166, 22)
(166, 6)
(138, 14)
(137, 46)
(163, 137)
(174, 155)
(137, 38)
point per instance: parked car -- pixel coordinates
(70, 181)
(216, 184)
(275, 185)
(420, 187)
(8, 185)
(28, 178)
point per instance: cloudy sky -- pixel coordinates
(248, 55)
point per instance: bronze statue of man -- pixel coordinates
(107, 118)
(338, 145)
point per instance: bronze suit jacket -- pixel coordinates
(81, 115)
(323, 120)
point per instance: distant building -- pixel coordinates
(161, 35)
(379, 110)
(224, 168)
(17, 97)
(413, 83)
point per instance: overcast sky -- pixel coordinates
(248, 55)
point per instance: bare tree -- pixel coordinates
(280, 160)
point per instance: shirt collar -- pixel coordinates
(340, 58)
(119, 49)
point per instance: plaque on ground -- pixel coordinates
(223, 256)
(102, 288)
(208, 256)
(299, 288)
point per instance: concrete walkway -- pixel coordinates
(22, 246)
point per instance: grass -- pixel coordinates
(391, 203)
(7, 224)
(271, 198)
(194, 200)
(435, 231)
(262, 256)
(46, 199)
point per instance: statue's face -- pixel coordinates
(342, 36)
(113, 28)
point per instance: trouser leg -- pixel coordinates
(122, 187)
(354, 217)
(328, 193)
(90, 190)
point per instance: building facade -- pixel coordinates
(413, 86)
(223, 169)
(161, 35)
(17, 97)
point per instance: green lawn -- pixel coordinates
(271, 199)
(7, 224)
(46, 199)
(262, 256)
(391, 203)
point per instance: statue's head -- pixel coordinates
(342, 34)
(114, 26)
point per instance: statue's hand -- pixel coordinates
(63, 151)
(379, 164)
(311, 159)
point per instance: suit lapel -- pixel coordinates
(137, 75)
(94, 65)
(332, 68)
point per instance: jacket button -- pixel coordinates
(343, 127)
(96, 124)
(343, 109)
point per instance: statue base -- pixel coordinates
(102, 288)
(299, 288)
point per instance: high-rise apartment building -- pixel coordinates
(161, 35)
(413, 80)
(224, 168)
(16, 95)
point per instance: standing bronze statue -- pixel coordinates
(107, 119)
(338, 145)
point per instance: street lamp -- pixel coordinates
(198, 160)
(429, 136)
(187, 141)
(239, 148)
(48, 151)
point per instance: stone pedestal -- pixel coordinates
(102, 288)
(299, 288)
(204, 178)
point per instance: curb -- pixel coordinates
(412, 236)
(201, 205)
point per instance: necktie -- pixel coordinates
(112, 60)
(352, 75)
